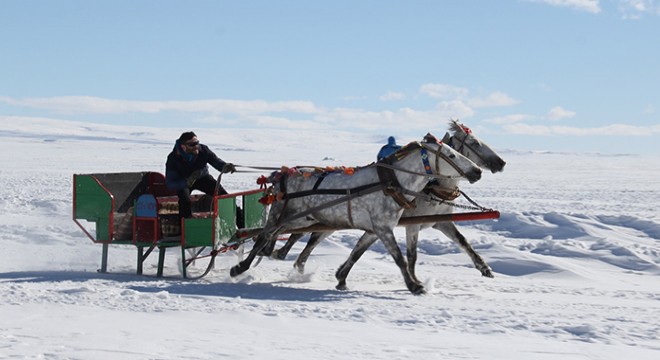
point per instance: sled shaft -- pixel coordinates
(413, 220)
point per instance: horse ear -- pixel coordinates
(445, 139)
(430, 138)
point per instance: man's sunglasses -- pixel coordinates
(192, 144)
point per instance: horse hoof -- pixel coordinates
(418, 290)
(300, 269)
(341, 287)
(233, 271)
(236, 270)
(487, 273)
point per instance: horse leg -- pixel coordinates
(314, 240)
(362, 245)
(388, 239)
(390, 243)
(412, 236)
(449, 229)
(284, 250)
(260, 243)
(267, 250)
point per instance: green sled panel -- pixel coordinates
(225, 224)
(253, 210)
(198, 232)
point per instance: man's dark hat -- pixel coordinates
(186, 136)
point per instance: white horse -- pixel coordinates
(467, 144)
(370, 199)
(461, 139)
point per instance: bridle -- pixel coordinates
(433, 173)
(438, 155)
(463, 144)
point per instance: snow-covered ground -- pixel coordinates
(576, 256)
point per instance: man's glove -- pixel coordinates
(228, 168)
(193, 177)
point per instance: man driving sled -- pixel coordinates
(186, 170)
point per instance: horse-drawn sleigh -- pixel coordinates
(412, 188)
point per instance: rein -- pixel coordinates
(431, 175)
(269, 168)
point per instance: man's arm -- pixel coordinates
(214, 160)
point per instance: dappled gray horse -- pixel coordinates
(460, 138)
(369, 199)
(466, 143)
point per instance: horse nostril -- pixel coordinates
(476, 175)
(498, 166)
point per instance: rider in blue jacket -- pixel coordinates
(390, 148)
(186, 170)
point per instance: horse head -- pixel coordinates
(456, 164)
(463, 140)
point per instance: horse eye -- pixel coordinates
(452, 156)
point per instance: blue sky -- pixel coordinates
(559, 75)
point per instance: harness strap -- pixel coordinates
(350, 194)
(350, 211)
(430, 176)
(442, 192)
(283, 180)
(392, 187)
(319, 181)
(348, 203)
(304, 193)
(425, 161)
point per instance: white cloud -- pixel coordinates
(454, 109)
(94, 105)
(608, 130)
(306, 115)
(495, 99)
(403, 120)
(454, 93)
(558, 113)
(629, 9)
(443, 91)
(634, 9)
(592, 6)
(258, 113)
(508, 119)
(390, 96)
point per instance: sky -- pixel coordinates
(543, 75)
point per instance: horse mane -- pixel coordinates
(404, 151)
(455, 126)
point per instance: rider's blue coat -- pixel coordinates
(390, 148)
